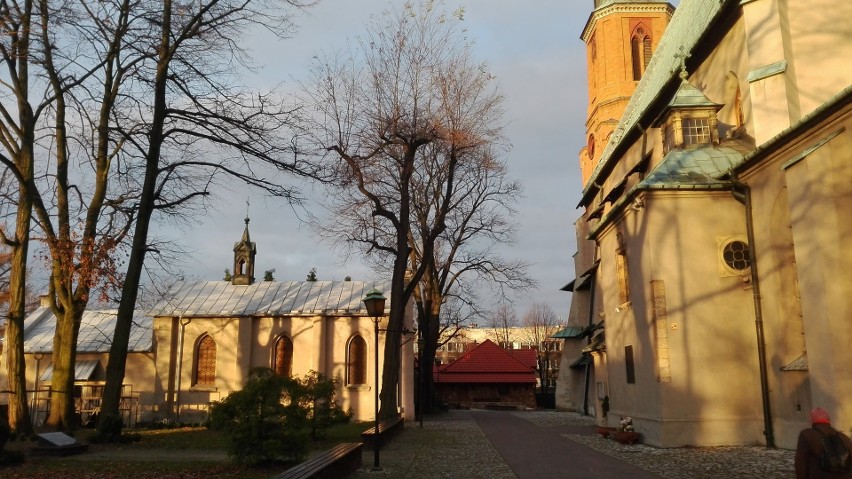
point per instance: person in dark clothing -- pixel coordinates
(810, 448)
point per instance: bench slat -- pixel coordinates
(342, 459)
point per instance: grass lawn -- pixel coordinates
(164, 453)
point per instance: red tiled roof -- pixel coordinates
(489, 363)
(526, 356)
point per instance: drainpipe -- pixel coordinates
(742, 193)
(183, 322)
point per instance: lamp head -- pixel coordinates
(375, 304)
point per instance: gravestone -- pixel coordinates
(58, 444)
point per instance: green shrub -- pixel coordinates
(273, 418)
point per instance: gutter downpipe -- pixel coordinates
(742, 193)
(183, 322)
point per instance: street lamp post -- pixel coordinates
(421, 343)
(375, 304)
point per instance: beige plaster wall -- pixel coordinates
(819, 187)
(319, 344)
(712, 396)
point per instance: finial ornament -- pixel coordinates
(683, 55)
(247, 210)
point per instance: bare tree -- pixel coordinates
(539, 324)
(136, 97)
(193, 107)
(501, 322)
(464, 259)
(409, 95)
(17, 134)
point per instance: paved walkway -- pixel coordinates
(548, 444)
(538, 451)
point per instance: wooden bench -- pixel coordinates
(387, 429)
(339, 461)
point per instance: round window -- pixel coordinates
(737, 255)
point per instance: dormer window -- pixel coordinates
(689, 128)
(689, 120)
(696, 131)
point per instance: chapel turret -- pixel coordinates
(244, 253)
(620, 38)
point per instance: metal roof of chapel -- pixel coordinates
(268, 298)
(96, 331)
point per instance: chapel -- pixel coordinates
(199, 342)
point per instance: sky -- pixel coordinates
(535, 52)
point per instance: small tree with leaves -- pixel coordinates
(312, 275)
(268, 275)
(273, 418)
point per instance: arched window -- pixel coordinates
(282, 359)
(356, 361)
(205, 362)
(640, 51)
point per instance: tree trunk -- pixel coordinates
(392, 353)
(19, 414)
(62, 411)
(118, 350)
(17, 61)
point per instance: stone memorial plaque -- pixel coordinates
(56, 439)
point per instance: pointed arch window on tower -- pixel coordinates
(640, 51)
(205, 362)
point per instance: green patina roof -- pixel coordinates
(688, 96)
(570, 332)
(705, 165)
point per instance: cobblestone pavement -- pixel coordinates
(679, 463)
(452, 446)
(448, 446)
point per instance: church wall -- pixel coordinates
(724, 70)
(358, 398)
(819, 38)
(709, 333)
(319, 344)
(696, 371)
(781, 306)
(793, 50)
(811, 196)
(571, 383)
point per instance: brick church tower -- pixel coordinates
(620, 37)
